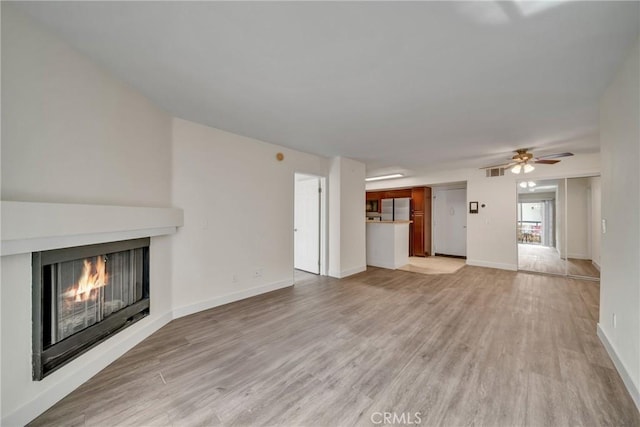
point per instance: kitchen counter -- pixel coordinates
(387, 243)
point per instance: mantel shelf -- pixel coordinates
(30, 227)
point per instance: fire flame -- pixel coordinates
(93, 277)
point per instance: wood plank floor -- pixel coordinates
(477, 347)
(545, 259)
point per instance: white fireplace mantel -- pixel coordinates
(31, 227)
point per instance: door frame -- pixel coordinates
(461, 185)
(323, 246)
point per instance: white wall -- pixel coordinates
(620, 272)
(578, 218)
(596, 216)
(1, 412)
(334, 218)
(73, 134)
(491, 234)
(561, 217)
(353, 253)
(347, 232)
(238, 201)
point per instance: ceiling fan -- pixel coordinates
(521, 161)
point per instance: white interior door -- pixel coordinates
(450, 222)
(307, 224)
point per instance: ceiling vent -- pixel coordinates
(495, 172)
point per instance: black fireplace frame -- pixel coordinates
(47, 360)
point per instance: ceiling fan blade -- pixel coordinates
(547, 162)
(554, 156)
(504, 165)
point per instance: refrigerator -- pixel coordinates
(396, 209)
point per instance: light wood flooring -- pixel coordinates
(477, 347)
(544, 259)
(300, 277)
(434, 265)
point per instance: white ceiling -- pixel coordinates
(413, 85)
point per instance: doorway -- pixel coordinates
(308, 225)
(450, 221)
(583, 227)
(540, 226)
(555, 226)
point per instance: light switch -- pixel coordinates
(604, 226)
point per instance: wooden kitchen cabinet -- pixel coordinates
(420, 228)
(421, 217)
(417, 234)
(396, 194)
(374, 201)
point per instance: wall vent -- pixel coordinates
(495, 172)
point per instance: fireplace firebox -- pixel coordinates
(84, 295)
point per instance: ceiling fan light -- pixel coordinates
(523, 184)
(528, 168)
(531, 184)
(516, 169)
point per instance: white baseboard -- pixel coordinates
(624, 374)
(384, 264)
(348, 272)
(81, 370)
(231, 297)
(498, 265)
(579, 256)
(351, 271)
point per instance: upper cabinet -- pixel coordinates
(374, 198)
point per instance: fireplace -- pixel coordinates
(84, 295)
